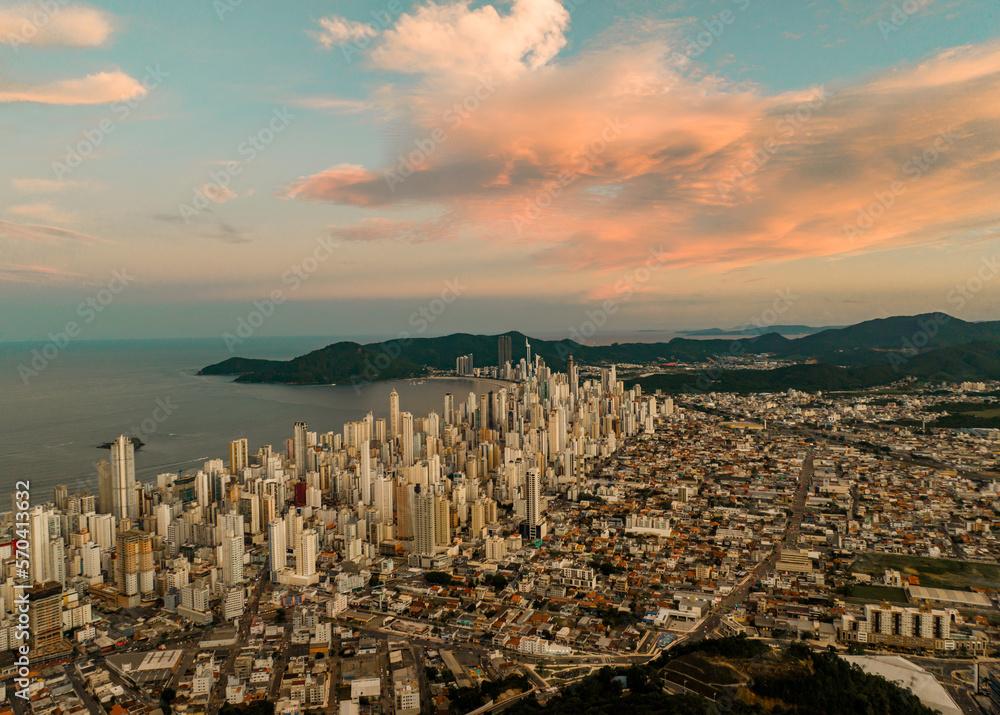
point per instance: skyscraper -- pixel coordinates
(133, 565)
(46, 623)
(503, 350)
(533, 509)
(406, 434)
(232, 558)
(238, 456)
(305, 553)
(116, 481)
(276, 546)
(365, 472)
(449, 408)
(424, 523)
(300, 449)
(394, 424)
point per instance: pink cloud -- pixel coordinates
(33, 274)
(596, 159)
(345, 183)
(37, 233)
(54, 24)
(100, 88)
(218, 194)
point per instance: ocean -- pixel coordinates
(89, 392)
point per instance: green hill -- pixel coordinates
(931, 346)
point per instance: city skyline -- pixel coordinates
(692, 162)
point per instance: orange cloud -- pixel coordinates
(599, 158)
(100, 88)
(54, 24)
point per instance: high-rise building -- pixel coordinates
(365, 472)
(277, 548)
(442, 521)
(424, 523)
(60, 495)
(232, 557)
(382, 498)
(116, 483)
(124, 504)
(533, 507)
(134, 570)
(300, 449)
(305, 553)
(394, 423)
(463, 365)
(503, 350)
(406, 437)
(46, 623)
(239, 458)
(449, 408)
(90, 560)
(40, 570)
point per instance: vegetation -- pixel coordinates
(257, 707)
(464, 700)
(798, 681)
(438, 577)
(933, 573)
(876, 352)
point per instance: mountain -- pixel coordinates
(754, 330)
(337, 363)
(928, 346)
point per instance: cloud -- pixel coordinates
(33, 274)
(100, 88)
(596, 158)
(334, 105)
(217, 193)
(454, 39)
(341, 31)
(344, 183)
(54, 24)
(43, 186)
(42, 212)
(37, 233)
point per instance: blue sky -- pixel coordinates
(337, 115)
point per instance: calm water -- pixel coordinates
(93, 391)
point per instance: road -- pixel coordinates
(739, 594)
(219, 692)
(81, 690)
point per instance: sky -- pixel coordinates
(194, 168)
